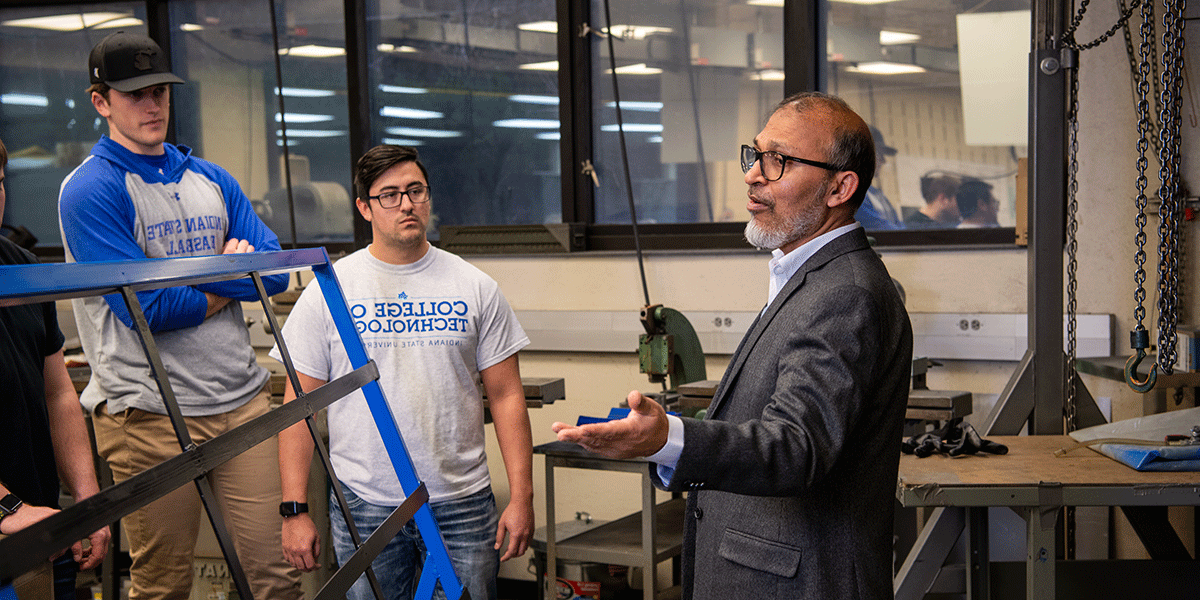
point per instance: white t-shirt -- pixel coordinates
(431, 327)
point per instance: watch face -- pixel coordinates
(9, 504)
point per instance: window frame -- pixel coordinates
(804, 68)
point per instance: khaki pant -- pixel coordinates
(162, 535)
(37, 584)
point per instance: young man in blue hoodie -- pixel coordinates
(138, 197)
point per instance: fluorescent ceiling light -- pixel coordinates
(527, 123)
(639, 106)
(863, 1)
(29, 162)
(767, 75)
(637, 69)
(305, 92)
(549, 135)
(398, 89)
(897, 37)
(402, 142)
(550, 65)
(113, 24)
(885, 68)
(313, 51)
(399, 112)
(310, 133)
(637, 32)
(428, 133)
(394, 48)
(636, 127)
(542, 26)
(531, 99)
(24, 100)
(303, 118)
(191, 27)
(77, 21)
(654, 139)
(291, 142)
(778, 3)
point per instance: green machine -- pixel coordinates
(670, 347)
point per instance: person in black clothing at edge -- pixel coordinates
(42, 432)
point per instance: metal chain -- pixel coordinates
(1146, 69)
(1145, 126)
(1068, 37)
(1072, 244)
(1179, 190)
(1069, 43)
(1169, 163)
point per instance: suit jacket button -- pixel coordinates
(698, 513)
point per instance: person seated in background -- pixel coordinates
(877, 212)
(941, 206)
(979, 208)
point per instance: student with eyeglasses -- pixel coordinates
(791, 475)
(436, 326)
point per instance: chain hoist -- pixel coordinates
(1070, 60)
(1169, 91)
(1139, 338)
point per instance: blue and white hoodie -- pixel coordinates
(118, 206)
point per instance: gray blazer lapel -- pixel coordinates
(848, 242)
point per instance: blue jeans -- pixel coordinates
(468, 527)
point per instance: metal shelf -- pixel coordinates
(620, 543)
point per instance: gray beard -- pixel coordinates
(763, 239)
(800, 226)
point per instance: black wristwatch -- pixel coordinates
(291, 509)
(9, 505)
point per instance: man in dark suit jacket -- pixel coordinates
(791, 476)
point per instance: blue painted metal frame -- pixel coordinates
(437, 561)
(24, 284)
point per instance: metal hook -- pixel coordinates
(1131, 367)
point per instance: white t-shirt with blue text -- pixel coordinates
(431, 327)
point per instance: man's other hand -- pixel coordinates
(301, 542)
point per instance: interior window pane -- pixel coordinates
(944, 85)
(46, 120)
(473, 85)
(229, 110)
(695, 80)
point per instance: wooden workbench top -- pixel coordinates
(1029, 468)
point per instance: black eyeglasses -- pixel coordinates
(392, 198)
(772, 167)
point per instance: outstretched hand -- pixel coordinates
(642, 433)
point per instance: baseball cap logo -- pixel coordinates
(141, 61)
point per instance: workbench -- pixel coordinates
(1035, 484)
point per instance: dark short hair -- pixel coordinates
(372, 165)
(3, 155)
(99, 88)
(969, 194)
(852, 148)
(933, 186)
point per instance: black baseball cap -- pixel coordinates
(880, 146)
(128, 62)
